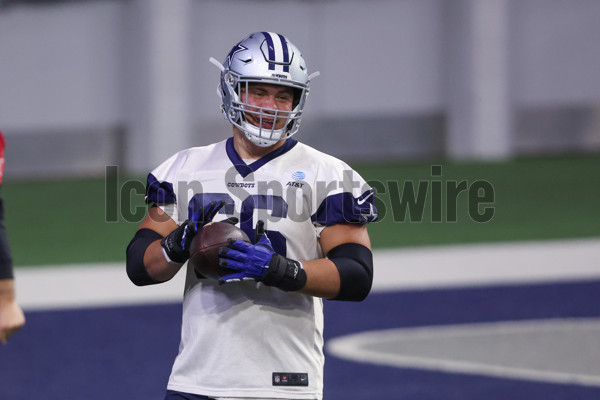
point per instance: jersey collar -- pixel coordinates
(245, 169)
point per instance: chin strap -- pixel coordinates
(253, 133)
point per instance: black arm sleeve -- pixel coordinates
(6, 267)
(136, 270)
(355, 265)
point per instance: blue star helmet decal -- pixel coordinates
(236, 49)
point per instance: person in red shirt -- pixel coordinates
(11, 315)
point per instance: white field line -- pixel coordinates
(88, 285)
(85, 285)
(355, 347)
(487, 264)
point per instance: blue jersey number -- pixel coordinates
(266, 202)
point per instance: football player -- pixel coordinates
(257, 333)
(11, 315)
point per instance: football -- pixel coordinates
(204, 249)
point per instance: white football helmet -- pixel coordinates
(263, 57)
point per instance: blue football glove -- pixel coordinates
(176, 245)
(259, 262)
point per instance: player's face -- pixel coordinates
(276, 97)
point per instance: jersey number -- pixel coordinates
(264, 202)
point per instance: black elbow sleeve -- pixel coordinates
(6, 267)
(6, 270)
(355, 266)
(136, 270)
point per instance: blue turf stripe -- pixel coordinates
(53, 346)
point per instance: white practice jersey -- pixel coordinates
(245, 339)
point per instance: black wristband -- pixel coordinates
(6, 264)
(171, 245)
(285, 274)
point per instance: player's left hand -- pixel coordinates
(259, 262)
(250, 260)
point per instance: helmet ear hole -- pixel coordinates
(230, 79)
(297, 97)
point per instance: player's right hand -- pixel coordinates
(260, 262)
(11, 320)
(176, 245)
(11, 315)
(251, 261)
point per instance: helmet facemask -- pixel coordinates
(262, 126)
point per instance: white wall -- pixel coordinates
(555, 52)
(60, 66)
(67, 67)
(376, 58)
